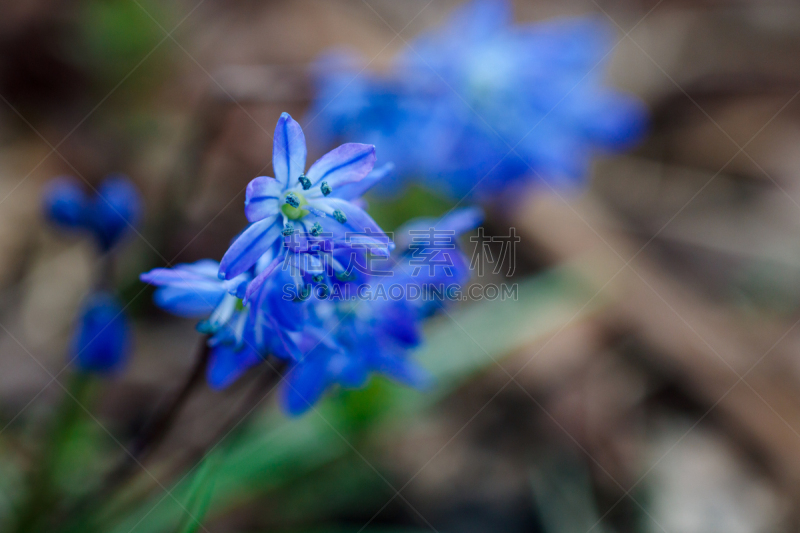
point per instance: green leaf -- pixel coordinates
(200, 493)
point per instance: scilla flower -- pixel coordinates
(481, 103)
(107, 215)
(101, 341)
(317, 204)
(273, 292)
(245, 316)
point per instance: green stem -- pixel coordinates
(145, 443)
(42, 495)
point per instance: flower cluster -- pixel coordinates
(108, 215)
(277, 290)
(481, 103)
(101, 340)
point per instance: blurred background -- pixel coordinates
(645, 380)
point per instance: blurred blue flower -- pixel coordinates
(65, 203)
(480, 103)
(116, 209)
(298, 210)
(101, 342)
(107, 215)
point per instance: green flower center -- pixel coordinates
(292, 207)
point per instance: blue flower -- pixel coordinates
(65, 203)
(246, 315)
(107, 215)
(313, 226)
(480, 103)
(320, 206)
(101, 341)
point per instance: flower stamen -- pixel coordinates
(293, 206)
(293, 200)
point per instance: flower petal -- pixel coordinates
(201, 275)
(453, 223)
(249, 246)
(615, 121)
(288, 150)
(399, 321)
(279, 302)
(259, 280)
(262, 198)
(187, 302)
(460, 220)
(403, 371)
(305, 383)
(357, 189)
(349, 372)
(358, 221)
(346, 164)
(275, 340)
(228, 363)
